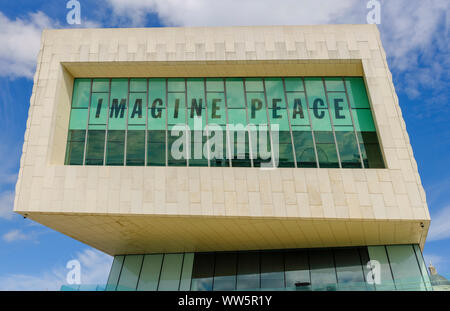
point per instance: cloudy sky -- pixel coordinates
(415, 36)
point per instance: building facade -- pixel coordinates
(227, 158)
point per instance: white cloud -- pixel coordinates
(95, 268)
(15, 235)
(21, 39)
(232, 12)
(20, 43)
(6, 204)
(440, 225)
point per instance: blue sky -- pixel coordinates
(414, 34)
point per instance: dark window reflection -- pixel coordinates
(115, 147)
(323, 273)
(202, 272)
(348, 149)
(304, 149)
(348, 269)
(75, 147)
(95, 149)
(297, 270)
(326, 149)
(248, 271)
(370, 150)
(225, 271)
(272, 269)
(156, 148)
(136, 148)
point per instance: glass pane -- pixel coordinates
(136, 147)
(294, 84)
(370, 150)
(75, 147)
(272, 270)
(197, 142)
(95, 147)
(214, 84)
(118, 104)
(225, 271)
(334, 84)
(138, 85)
(241, 152)
(254, 85)
(170, 272)
(235, 93)
(323, 273)
(423, 267)
(379, 253)
(99, 110)
(114, 273)
(202, 272)
(340, 111)
(176, 85)
(115, 147)
(156, 146)
(348, 149)
(349, 270)
(81, 92)
(157, 104)
(216, 109)
(248, 271)
(326, 149)
(78, 119)
(357, 92)
(297, 109)
(257, 113)
(363, 120)
(217, 144)
(137, 110)
(186, 274)
(405, 268)
(177, 146)
(151, 267)
(304, 147)
(130, 273)
(364, 255)
(297, 270)
(261, 146)
(100, 85)
(177, 108)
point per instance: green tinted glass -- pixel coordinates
(100, 85)
(298, 112)
(137, 110)
(98, 112)
(257, 113)
(81, 92)
(78, 119)
(235, 93)
(357, 94)
(118, 104)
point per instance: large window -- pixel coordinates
(393, 267)
(239, 122)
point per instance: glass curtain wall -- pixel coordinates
(240, 122)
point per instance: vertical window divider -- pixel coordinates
(167, 127)
(331, 122)
(146, 125)
(390, 268)
(206, 125)
(248, 123)
(140, 271)
(268, 123)
(87, 123)
(187, 152)
(227, 136)
(290, 126)
(311, 127)
(420, 267)
(126, 125)
(160, 271)
(181, 271)
(353, 122)
(107, 122)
